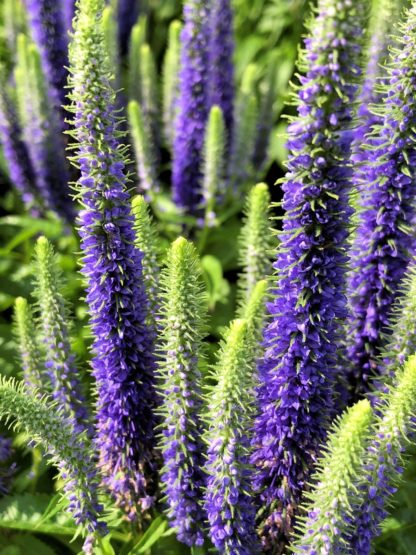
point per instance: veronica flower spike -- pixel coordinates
(45, 425)
(48, 27)
(384, 239)
(231, 511)
(221, 67)
(137, 40)
(240, 167)
(328, 505)
(60, 364)
(213, 183)
(41, 132)
(182, 328)
(298, 370)
(29, 348)
(381, 29)
(144, 150)
(402, 340)
(147, 241)
(123, 362)
(171, 64)
(255, 242)
(254, 312)
(229, 505)
(192, 107)
(376, 480)
(17, 156)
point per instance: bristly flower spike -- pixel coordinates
(109, 25)
(68, 451)
(254, 312)
(384, 15)
(170, 76)
(28, 346)
(402, 339)
(266, 120)
(143, 145)
(244, 130)
(192, 107)
(384, 240)
(256, 242)
(123, 361)
(213, 183)
(20, 167)
(149, 93)
(221, 67)
(50, 35)
(328, 505)
(41, 132)
(376, 480)
(53, 320)
(298, 369)
(182, 329)
(228, 500)
(147, 242)
(137, 40)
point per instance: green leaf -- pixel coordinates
(24, 544)
(105, 547)
(30, 228)
(155, 531)
(218, 288)
(26, 512)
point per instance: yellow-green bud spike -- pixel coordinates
(256, 242)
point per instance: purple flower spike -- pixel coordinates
(381, 40)
(182, 328)
(123, 360)
(229, 502)
(192, 107)
(41, 132)
(17, 157)
(221, 49)
(128, 12)
(382, 465)
(298, 370)
(384, 240)
(49, 32)
(63, 376)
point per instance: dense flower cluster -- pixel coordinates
(375, 73)
(220, 52)
(301, 339)
(123, 361)
(17, 157)
(328, 502)
(29, 348)
(192, 106)
(383, 461)
(48, 29)
(70, 452)
(41, 131)
(229, 505)
(182, 329)
(384, 240)
(60, 364)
